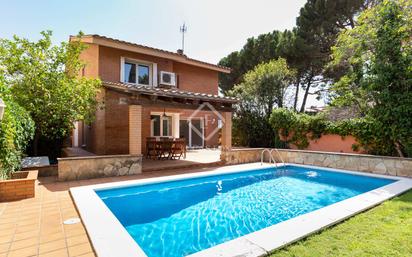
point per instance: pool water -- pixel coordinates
(183, 217)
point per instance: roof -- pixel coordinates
(168, 92)
(129, 46)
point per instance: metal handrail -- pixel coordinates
(270, 157)
(280, 156)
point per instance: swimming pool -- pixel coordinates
(184, 216)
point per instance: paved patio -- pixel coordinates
(34, 227)
(194, 158)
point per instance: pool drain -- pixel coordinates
(71, 221)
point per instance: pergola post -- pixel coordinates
(135, 129)
(227, 131)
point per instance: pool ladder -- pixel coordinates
(271, 158)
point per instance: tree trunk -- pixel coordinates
(295, 103)
(398, 149)
(305, 96)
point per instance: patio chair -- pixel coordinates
(152, 151)
(179, 149)
(165, 148)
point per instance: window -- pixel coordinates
(137, 73)
(129, 72)
(144, 72)
(161, 126)
(155, 125)
(167, 126)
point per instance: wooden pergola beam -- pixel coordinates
(178, 104)
(165, 101)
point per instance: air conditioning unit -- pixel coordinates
(168, 78)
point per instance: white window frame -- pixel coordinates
(152, 70)
(161, 124)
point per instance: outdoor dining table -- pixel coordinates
(165, 148)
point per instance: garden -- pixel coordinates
(43, 97)
(356, 57)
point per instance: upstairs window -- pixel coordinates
(129, 72)
(137, 73)
(144, 74)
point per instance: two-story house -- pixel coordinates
(149, 92)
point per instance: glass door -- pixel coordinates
(197, 134)
(193, 132)
(184, 131)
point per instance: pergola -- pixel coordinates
(143, 96)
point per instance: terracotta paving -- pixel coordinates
(34, 227)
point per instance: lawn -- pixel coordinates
(385, 230)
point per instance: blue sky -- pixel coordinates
(215, 27)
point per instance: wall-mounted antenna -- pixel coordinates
(183, 30)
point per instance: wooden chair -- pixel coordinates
(179, 148)
(152, 150)
(165, 150)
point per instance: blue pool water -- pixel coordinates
(182, 217)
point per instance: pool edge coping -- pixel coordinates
(112, 239)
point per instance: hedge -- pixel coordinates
(299, 128)
(16, 131)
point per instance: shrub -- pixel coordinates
(297, 128)
(16, 130)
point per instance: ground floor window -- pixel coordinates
(161, 126)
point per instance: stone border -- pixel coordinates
(75, 168)
(320, 152)
(45, 171)
(113, 239)
(97, 157)
(21, 186)
(385, 165)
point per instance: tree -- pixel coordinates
(377, 58)
(44, 79)
(255, 51)
(226, 81)
(318, 25)
(306, 47)
(291, 47)
(263, 89)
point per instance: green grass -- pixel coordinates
(385, 230)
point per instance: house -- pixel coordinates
(149, 92)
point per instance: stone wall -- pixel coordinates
(45, 171)
(239, 156)
(76, 168)
(22, 185)
(357, 162)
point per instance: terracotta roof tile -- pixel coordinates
(171, 92)
(158, 50)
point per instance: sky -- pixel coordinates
(215, 28)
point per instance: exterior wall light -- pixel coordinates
(2, 108)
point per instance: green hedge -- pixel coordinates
(299, 128)
(16, 130)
